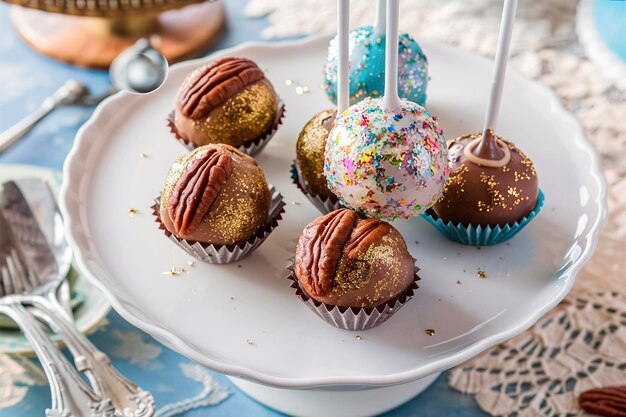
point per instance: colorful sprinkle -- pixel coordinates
(385, 165)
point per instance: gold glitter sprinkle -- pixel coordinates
(191, 263)
(322, 86)
(481, 274)
(242, 118)
(430, 332)
(358, 337)
(174, 271)
(289, 83)
(132, 211)
(143, 155)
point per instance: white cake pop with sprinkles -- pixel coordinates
(386, 157)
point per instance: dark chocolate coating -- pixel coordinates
(344, 260)
(479, 195)
(310, 149)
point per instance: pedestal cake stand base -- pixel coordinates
(334, 401)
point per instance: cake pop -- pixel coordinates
(493, 190)
(367, 64)
(386, 157)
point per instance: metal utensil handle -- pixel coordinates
(70, 395)
(15, 132)
(96, 365)
(69, 91)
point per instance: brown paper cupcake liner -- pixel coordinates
(323, 204)
(352, 318)
(224, 254)
(251, 149)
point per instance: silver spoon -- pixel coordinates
(140, 69)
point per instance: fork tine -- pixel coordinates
(6, 281)
(17, 277)
(2, 293)
(24, 275)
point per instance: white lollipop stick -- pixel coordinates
(379, 20)
(502, 56)
(343, 27)
(391, 100)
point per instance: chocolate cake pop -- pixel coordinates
(310, 149)
(216, 195)
(344, 260)
(229, 101)
(492, 183)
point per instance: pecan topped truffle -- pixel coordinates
(344, 260)
(215, 194)
(492, 183)
(229, 101)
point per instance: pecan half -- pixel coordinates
(212, 85)
(366, 232)
(607, 401)
(197, 189)
(326, 239)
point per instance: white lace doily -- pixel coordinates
(581, 344)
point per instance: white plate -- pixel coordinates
(264, 332)
(94, 307)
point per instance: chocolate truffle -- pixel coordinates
(345, 260)
(310, 152)
(229, 101)
(216, 195)
(492, 183)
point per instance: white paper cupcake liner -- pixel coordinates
(323, 204)
(224, 254)
(251, 149)
(352, 318)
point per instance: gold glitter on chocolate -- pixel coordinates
(310, 152)
(240, 208)
(239, 120)
(430, 332)
(132, 211)
(371, 266)
(480, 195)
(481, 274)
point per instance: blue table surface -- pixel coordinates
(26, 78)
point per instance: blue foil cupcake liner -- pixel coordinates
(323, 204)
(479, 235)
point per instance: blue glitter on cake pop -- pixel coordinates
(367, 67)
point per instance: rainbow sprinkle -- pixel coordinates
(386, 165)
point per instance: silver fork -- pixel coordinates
(38, 235)
(71, 396)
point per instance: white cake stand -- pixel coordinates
(243, 319)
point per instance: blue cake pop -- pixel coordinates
(367, 67)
